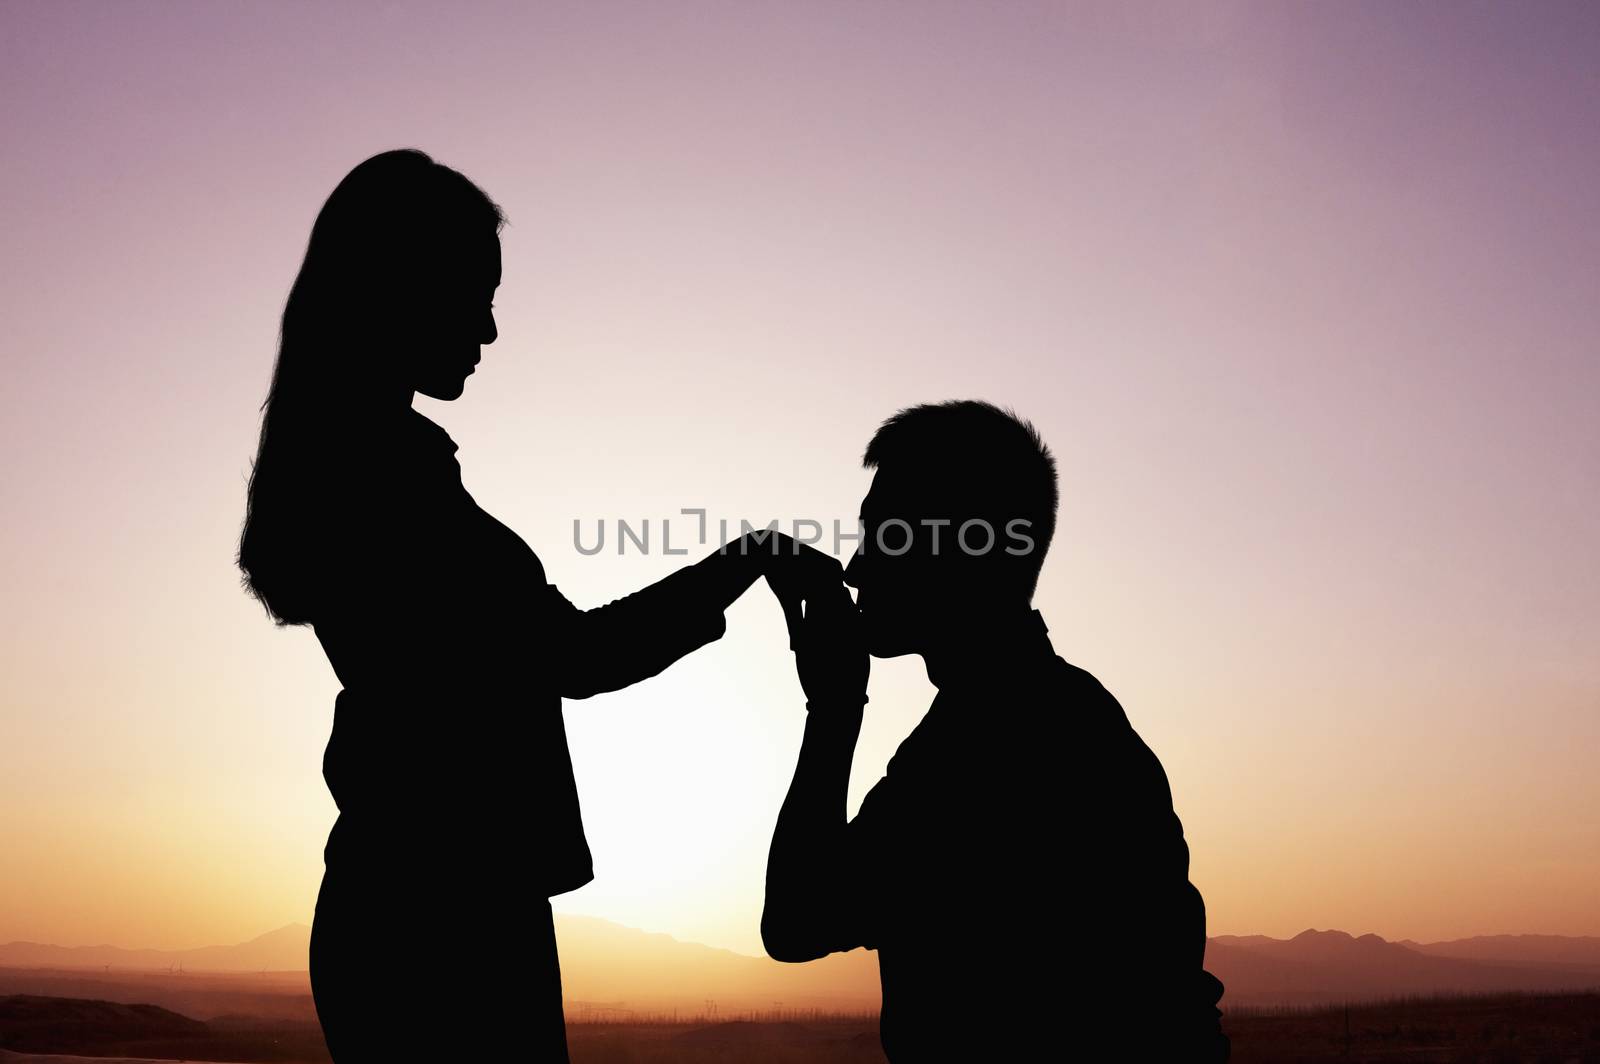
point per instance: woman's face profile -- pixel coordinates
(452, 319)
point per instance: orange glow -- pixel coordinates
(1304, 306)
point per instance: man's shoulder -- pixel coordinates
(1075, 677)
(1102, 731)
(1077, 691)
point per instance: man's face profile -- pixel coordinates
(901, 575)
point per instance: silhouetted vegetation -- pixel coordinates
(1499, 1029)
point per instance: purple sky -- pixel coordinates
(1303, 296)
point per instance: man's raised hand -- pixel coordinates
(824, 627)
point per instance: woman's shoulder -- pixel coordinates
(404, 452)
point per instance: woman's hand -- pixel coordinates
(728, 572)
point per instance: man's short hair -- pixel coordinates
(972, 459)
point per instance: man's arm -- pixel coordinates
(809, 907)
(814, 881)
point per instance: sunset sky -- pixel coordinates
(1303, 296)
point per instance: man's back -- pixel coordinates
(1024, 877)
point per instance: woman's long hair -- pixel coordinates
(379, 245)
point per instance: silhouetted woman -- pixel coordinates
(458, 815)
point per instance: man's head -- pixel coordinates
(955, 526)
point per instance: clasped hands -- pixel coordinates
(824, 626)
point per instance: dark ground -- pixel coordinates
(1503, 1029)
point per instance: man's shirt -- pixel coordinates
(1020, 868)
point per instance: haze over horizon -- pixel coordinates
(568, 917)
(1302, 297)
(616, 966)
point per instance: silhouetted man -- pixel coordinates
(1019, 869)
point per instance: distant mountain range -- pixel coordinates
(1317, 967)
(32, 1024)
(1515, 949)
(285, 949)
(606, 969)
(610, 969)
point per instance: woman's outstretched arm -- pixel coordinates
(635, 637)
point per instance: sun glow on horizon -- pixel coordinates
(1297, 296)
